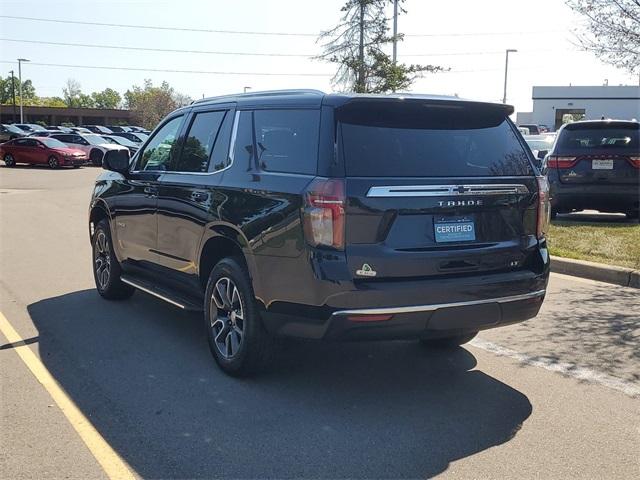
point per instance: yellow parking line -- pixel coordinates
(111, 463)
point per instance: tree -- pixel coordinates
(108, 98)
(151, 104)
(72, 93)
(28, 90)
(612, 31)
(357, 44)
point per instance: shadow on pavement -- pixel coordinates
(142, 373)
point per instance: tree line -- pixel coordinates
(148, 103)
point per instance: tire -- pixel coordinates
(53, 162)
(105, 266)
(96, 157)
(448, 342)
(237, 338)
(9, 161)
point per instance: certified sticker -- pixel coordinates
(366, 271)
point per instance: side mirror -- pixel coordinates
(542, 154)
(117, 161)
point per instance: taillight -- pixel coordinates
(635, 161)
(324, 213)
(544, 207)
(555, 161)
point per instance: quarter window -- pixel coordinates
(199, 142)
(160, 149)
(287, 140)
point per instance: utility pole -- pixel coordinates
(246, 89)
(506, 70)
(13, 95)
(360, 79)
(20, 60)
(395, 31)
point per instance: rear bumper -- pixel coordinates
(609, 198)
(417, 309)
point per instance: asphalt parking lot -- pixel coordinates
(555, 397)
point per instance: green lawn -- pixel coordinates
(612, 243)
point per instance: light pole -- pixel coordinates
(395, 30)
(246, 89)
(506, 69)
(20, 60)
(13, 95)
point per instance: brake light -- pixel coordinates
(635, 161)
(324, 213)
(544, 207)
(556, 161)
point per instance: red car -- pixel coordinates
(41, 151)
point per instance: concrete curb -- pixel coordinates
(626, 277)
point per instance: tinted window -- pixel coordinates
(199, 142)
(158, 152)
(287, 140)
(220, 156)
(25, 142)
(63, 138)
(416, 140)
(585, 139)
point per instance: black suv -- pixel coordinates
(595, 164)
(327, 216)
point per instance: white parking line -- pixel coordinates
(567, 369)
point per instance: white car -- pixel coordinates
(92, 144)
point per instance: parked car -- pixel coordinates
(30, 127)
(595, 164)
(59, 129)
(533, 128)
(42, 133)
(9, 132)
(135, 137)
(523, 130)
(119, 128)
(410, 229)
(539, 145)
(81, 130)
(93, 145)
(133, 147)
(41, 151)
(135, 128)
(99, 129)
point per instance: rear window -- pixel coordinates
(431, 141)
(585, 139)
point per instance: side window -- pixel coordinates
(158, 152)
(287, 140)
(199, 142)
(220, 156)
(22, 142)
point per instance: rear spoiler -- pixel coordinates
(342, 102)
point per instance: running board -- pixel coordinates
(168, 296)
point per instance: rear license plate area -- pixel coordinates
(606, 164)
(454, 229)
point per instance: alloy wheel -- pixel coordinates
(9, 161)
(102, 261)
(227, 317)
(53, 162)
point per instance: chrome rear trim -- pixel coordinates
(431, 308)
(447, 190)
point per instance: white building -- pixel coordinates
(553, 106)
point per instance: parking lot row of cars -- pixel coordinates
(58, 146)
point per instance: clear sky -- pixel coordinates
(469, 36)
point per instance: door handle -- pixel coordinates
(199, 196)
(151, 191)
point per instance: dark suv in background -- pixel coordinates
(595, 164)
(327, 216)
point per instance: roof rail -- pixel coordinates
(265, 93)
